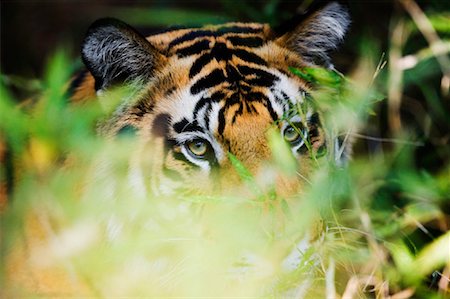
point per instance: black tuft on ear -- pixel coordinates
(318, 34)
(115, 53)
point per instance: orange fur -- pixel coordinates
(160, 99)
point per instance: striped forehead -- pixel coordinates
(215, 43)
(188, 42)
(227, 72)
(211, 110)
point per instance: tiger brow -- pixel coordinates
(193, 49)
(212, 33)
(185, 126)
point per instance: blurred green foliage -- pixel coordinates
(387, 217)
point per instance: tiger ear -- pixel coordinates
(316, 36)
(116, 53)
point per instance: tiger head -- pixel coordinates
(199, 95)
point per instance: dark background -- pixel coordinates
(31, 30)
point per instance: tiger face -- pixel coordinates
(199, 95)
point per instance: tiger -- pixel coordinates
(201, 94)
(199, 98)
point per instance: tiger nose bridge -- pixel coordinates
(247, 140)
(248, 143)
(256, 156)
(253, 153)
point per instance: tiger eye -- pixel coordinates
(291, 134)
(197, 147)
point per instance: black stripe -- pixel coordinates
(250, 107)
(237, 113)
(196, 48)
(272, 112)
(302, 150)
(221, 117)
(261, 81)
(260, 97)
(191, 36)
(257, 96)
(198, 65)
(238, 29)
(232, 100)
(247, 70)
(285, 96)
(206, 117)
(77, 81)
(263, 78)
(308, 96)
(143, 106)
(233, 76)
(200, 104)
(287, 74)
(278, 100)
(169, 91)
(216, 97)
(315, 119)
(249, 57)
(313, 124)
(252, 41)
(313, 131)
(185, 126)
(179, 126)
(205, 33)
(213, 79)
(221, 52)
(193, 127)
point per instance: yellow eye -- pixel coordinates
(197, 147)
(292, 133)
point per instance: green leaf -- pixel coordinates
(240, 168)
(281, 153)
(403, 260)
(246, 176)
(434, 256)
(57, 75)
(14, 124)
(319, 75)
